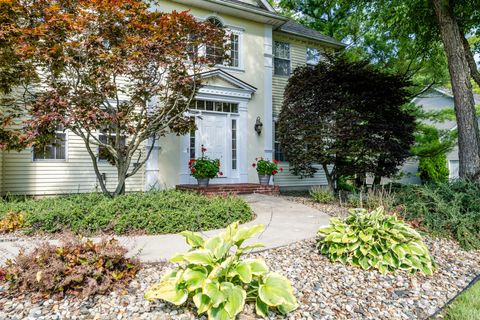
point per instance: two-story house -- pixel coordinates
(266, 47)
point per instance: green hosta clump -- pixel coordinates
(219, 281)
(375, 240)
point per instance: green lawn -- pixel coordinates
(466, 306)
(150, 212)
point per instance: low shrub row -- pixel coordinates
(151, 212)
(445, 209)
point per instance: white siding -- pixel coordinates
(287, 180)
(1, 172)
(298, 57)
(22, 175)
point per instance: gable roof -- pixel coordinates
(229, 78)
(300, 30)
(263, 4)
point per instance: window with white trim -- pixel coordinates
(278, 153)
(55, 149)
(104, 137)
(217, 54)
(234, 50)
(218, 106)
(313, 56)
(234, 144)
(281, 58)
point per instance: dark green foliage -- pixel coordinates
(348, 116)
(151, 212)
(433, 169)
(431, 147)
(74, 267)
(445, 209)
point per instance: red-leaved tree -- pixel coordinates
(115, 67)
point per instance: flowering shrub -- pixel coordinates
(266, 167)
(204, 167)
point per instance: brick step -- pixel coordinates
(231, 189)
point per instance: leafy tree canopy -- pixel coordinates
(112, 67)
(349, 117)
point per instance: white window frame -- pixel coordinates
(282, 58)
(98, 147)
(319, 56)
(57, 131)
(229, 29)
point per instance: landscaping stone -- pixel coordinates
(325, 290)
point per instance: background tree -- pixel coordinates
(431, 148)
(416, 38)
(111, 67)
(347, 116)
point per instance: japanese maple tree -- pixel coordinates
(116, 67)
(347, 116)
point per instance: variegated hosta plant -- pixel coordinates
(375, 240)
(219, 281)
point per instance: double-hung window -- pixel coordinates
(55, 149)
(281, 58)
(278, 153)
(110, 139)
(313, 56)
(216, 54)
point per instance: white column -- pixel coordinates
(242, 147)
(152, 166)
(268, 109)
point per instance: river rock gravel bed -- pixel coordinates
(325, 290)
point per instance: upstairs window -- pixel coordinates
(55, 149)
(281, 58)
(313, 56)
(216, 54)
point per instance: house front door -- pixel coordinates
(213, 135)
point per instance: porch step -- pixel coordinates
(231, 189)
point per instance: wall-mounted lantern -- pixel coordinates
(258, 126)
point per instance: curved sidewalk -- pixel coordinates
(286, 222)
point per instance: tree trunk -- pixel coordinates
(330, 177)
(468, 134)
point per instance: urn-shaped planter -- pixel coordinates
(203, 182)
(264, 179)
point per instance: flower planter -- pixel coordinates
(203, 183)
(264, 179)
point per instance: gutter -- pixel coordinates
(301, 36)
(248, 9)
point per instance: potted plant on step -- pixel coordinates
(203, 169)
(266, 169)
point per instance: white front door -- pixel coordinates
(213, 135)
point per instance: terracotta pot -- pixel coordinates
(264, 179)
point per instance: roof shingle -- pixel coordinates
(302, 31)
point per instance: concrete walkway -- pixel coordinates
(286, 222)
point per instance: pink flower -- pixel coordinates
(274, 172)
(281, 169)
(193, 170)
(220, 173)
(204, 149)
(275, 161)
(254, 165)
